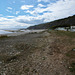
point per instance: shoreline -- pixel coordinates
(21, 32)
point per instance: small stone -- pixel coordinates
(61, 62)
(70, 67)
(43, 58)
(0, 62)
(50, 53)
(73, 49)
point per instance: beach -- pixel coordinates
(36, 53)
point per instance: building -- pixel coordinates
(71, 28)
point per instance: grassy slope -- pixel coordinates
(67, 40)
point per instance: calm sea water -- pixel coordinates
(4, 32)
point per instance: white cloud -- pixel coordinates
(3, 19)
(46, 0)
(20, 21)
(9, 8)
(36, 11)
(57, 10)
(41, 5)
(8, 23)
(25, 7)
(29, 19)
(10, 16)
(17, 12)
(13, 11)
(61, 8)
(43, 0)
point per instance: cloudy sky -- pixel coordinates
(24, 13)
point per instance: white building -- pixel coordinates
(71, 28)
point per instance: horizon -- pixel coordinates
(24, 13)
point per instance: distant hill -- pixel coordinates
(66, 22)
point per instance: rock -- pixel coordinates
(73, 49)
(0, 62)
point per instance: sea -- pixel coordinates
(7, 31)
(4, 32)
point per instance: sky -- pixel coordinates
(25, 13)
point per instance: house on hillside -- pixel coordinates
(71, 28)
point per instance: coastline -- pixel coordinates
(21, 32)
